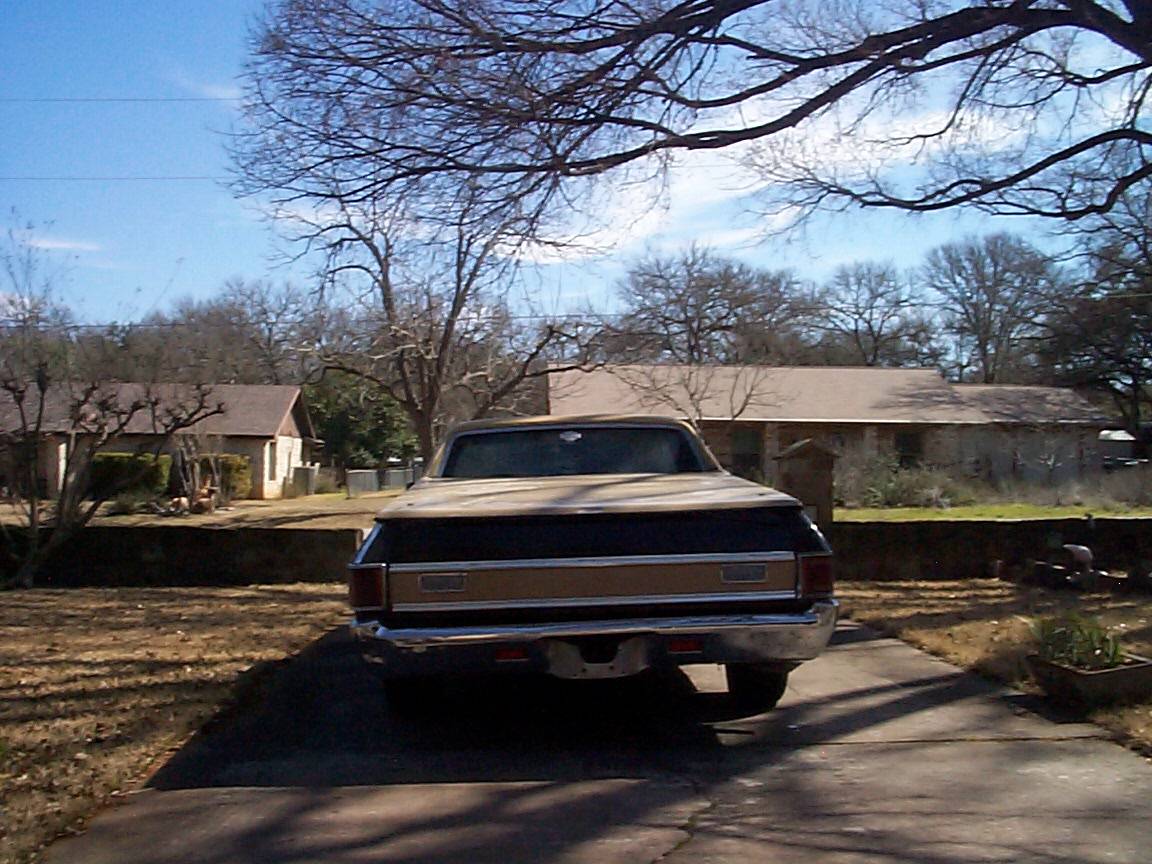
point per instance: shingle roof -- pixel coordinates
(798, 394)
(1014, 403)
(250, 410)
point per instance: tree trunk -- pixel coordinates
(1137, 392)
(423, 428)
(26, 575)
(39, 553)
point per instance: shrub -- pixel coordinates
(114, 473)
(235, 474)
(919, 487)
(878, 481)
(858, 473)
(1131, 486)
(1073, 640)
(359, 458)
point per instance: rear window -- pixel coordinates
(554, 451)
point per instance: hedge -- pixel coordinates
(235, 474)
(113, 473)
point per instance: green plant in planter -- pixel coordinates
(1073, 640)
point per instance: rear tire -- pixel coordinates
(754, 686)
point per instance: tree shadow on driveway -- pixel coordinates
(322, 720)
(314, 767)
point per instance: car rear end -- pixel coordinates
(594, 595)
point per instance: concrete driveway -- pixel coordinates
(878, 753)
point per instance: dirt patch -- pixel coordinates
(981, 624)
(96, 685)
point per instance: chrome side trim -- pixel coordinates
(613, 561)
(623, 600)
(807, 631)
(358, 558)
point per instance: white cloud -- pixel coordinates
(729, 238)
(205, 89)
(635, 214)
(61, 244)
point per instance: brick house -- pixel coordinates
(749, 414)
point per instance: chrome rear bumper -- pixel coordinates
(556, 648)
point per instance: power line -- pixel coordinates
(142, 178)
(48, 100)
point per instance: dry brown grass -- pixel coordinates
(982, 625)
(97, 684)
(332, 510)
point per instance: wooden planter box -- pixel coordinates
(1127, 683)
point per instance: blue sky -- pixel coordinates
(135, 245)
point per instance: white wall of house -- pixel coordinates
(273, 461)
(281, 456)
(53, 461)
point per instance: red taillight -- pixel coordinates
(816, 577)
(511, 652)
(366, 586)
(685, 645)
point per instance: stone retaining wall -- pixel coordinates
(164, 556)
(969, 549)
(864, 550)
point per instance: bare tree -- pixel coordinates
(872, 316)
(698, 307)
(994, 292)
(1117, 246)
(280, 325)
(252, 332)
(76, 421)
(1101, 334)
(426, 316)
(53, 421)
(1009, 105)
(1101, 337)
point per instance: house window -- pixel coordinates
(272, 461)
(747, 451)
(909, 448)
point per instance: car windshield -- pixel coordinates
(556, 451)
